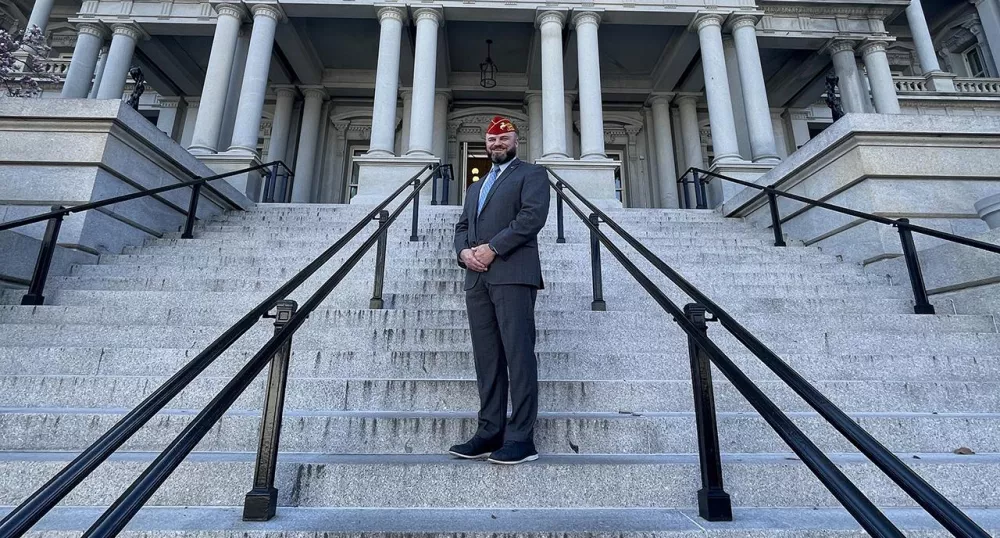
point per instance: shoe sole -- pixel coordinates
(468, 456)
(532, 457)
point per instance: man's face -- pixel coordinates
(501, 147)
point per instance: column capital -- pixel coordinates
(95, 29)
(314, 92)
(193, 101)
(687, 99)
(434, 13)
(742, 20)
(406, 93)
(169, 102)
(285, 91)
(394, 13)
(232, 10)
(532, 95)
(271, 11)
(586, 17)
(444, 92)
(839, 45)
(129, 29)
(548, 16)
(659, 98)
(706, 19)
(874, 44)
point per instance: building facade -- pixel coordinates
(641, 90)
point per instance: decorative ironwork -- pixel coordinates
(488, 69)
(140, 86)
(832, 97)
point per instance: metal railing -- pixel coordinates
(47, 249)
(921, 304)
(278, 185)
(261, 500)
(713, 501)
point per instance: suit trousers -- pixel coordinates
(502, 322)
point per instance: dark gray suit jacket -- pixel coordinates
(514, 212)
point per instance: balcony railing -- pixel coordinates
(972, 86)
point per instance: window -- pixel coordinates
(974, 62)
(619, 179)
(352, 183)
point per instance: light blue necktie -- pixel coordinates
(487, 185)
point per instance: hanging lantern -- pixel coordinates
(488, 69)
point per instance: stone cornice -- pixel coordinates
(826, 10)
(546, 16)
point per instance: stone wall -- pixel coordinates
(69, 152)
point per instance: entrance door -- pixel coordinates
(477, 165)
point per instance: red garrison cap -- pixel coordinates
(500, 125)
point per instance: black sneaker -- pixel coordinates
(514, 452)
(475, 448)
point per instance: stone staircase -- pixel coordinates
(376, 396)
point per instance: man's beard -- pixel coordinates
(505, 157)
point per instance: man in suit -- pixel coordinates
(496, 242)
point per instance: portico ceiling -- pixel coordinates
(343, 43)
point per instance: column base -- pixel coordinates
(248, 183)
(378, 177)
(940, 81)
(720, 190)
(594, 179)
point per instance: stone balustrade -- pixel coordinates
(974, 86)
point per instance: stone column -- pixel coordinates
(119, 60)
(424, 69)
(190, 117)
(213, 94)
(386, 82)
(40, 15)
(550, 24)
(235, 84)
(89, 40)
(246, 128)
(720, 110)
(280, 124)
(441, 100)
(102, 61)
(989, 14)
(736, 97)
(922, 37)
(754, 91)
(171, 112)
(880, 77)
(406, 94)
(534, 102)
(690, 131)
(591, 107)
(847, 71)
(305, 160)
(663, 137)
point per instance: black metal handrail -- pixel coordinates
(271, 187)
(45, 498)
(921, 304)
(46, 250)
(871, 519)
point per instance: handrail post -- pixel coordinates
(922, 304)
(383, 230)
(598, 304)
(684, 190)
(416, 211)
(446, 177)
(699, 191)
(45, 252)
(434, 186)
(272, 184)
(560, 232)
(772, 202)
(262, 500)
(714, 503)
(192, 212)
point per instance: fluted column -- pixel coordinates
(40, 13)
(89, 40)
(441, 100)
(850, 80)
(119, 60)
(663, 137)
(305, 159)
(281, 123)
(754, 90)
(208, 124)
(102, 61)
(386, 82)
(246, 128)
(591, 107)
(424, 68)
(535, 128)
(720, 111)
(880, 77)
(550, 24)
